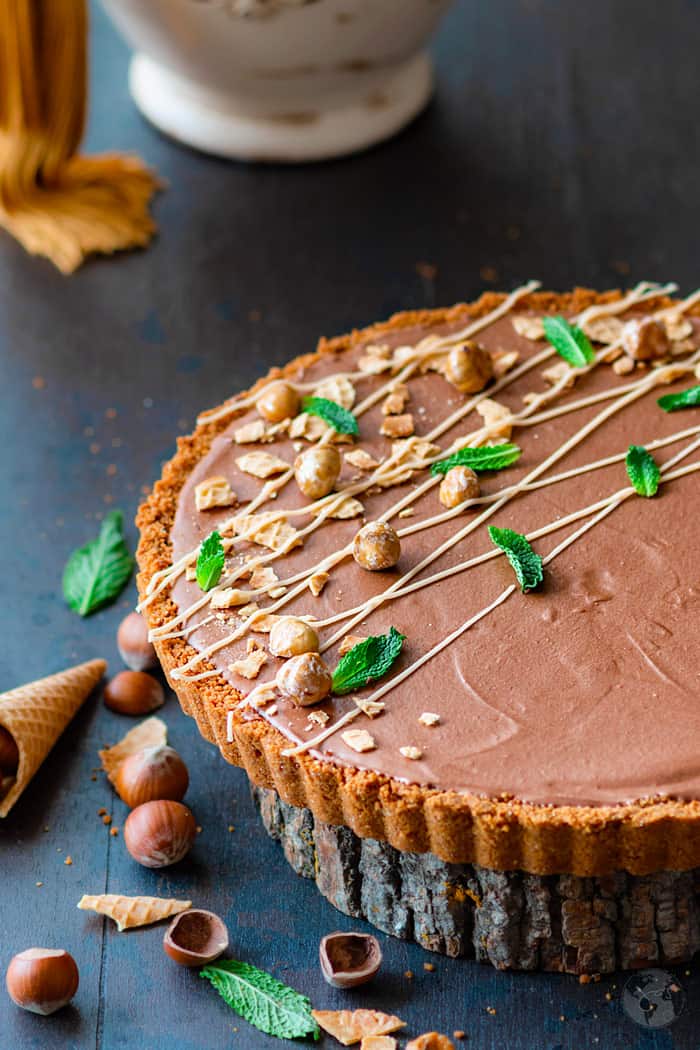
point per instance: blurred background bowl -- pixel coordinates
(279, 80)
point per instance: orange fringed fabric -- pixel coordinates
(56, 202)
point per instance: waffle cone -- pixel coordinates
(37, 713)
(128, 912)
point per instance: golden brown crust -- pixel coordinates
(504, 835)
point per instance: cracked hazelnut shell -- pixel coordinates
(42, 980)
(195, 937)
(349, 959)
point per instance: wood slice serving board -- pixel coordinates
(512, 920)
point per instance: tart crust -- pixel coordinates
(503, 834)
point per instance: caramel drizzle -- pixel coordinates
(631, 392)
(396, 463)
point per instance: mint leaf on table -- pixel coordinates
(642, 470)
(261, 999)
(367, 661)
(332, 413)
(210, 561)
(486, 457)
(689, 398)
(527, 564)
(97, 573)
(569, 341)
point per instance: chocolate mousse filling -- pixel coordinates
(585, 692)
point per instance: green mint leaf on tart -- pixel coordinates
(689, 398)
(262, 1000)
(97, 573)
(332, 413)
(527, 564)
(486, 457)
(367, 661)
(210, 561)
(642, 470)
(569, 341)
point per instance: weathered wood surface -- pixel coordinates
(562, 142)
(512, 920)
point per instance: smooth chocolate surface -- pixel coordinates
(585, 692)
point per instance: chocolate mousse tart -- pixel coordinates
(436, 587)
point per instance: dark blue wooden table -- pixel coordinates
(563, 144)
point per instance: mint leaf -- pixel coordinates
(367, 661)
(491, 457)
(527, 564)
(569, 341)
(97, 573)
(689, 398)
(261, 999)
(210, 561)
(642, 470)
(332, 413)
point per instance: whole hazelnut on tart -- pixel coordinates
(468, 367)
(277, 402)
(292, 637)
(317, 469)
(304, 679)
(376, 546)
(160, 833)
(195, 937)
(134, 693)
(459, 484)
(137, 652)
(9, 753)
(42, 980)
(152, 774)
(645, 339)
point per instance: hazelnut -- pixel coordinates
(195, 937)
(42, 979)
(645, 339)
(9, 753)
(316, 470)
(159, 833)
(469, 367)
(134, 693)
(152, 774)
(292, 637)
(279, 401)
(376, 546)
(304, 679)
(349, 959)
(458, 485)
(134, 647)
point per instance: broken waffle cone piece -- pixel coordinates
(129, 912)
(37, 713)
(150, 733)
(350, 1026)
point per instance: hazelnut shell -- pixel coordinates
(195, 937)
(152, 774)
(42, 980)
(9, 753)
(349, 959)
(134, 693)
(134, 647)
(158, 834)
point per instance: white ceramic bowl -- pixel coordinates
(279, 80)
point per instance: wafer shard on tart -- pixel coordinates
(129, 912)
(538, 657)
(37, 713)
(150, 733)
